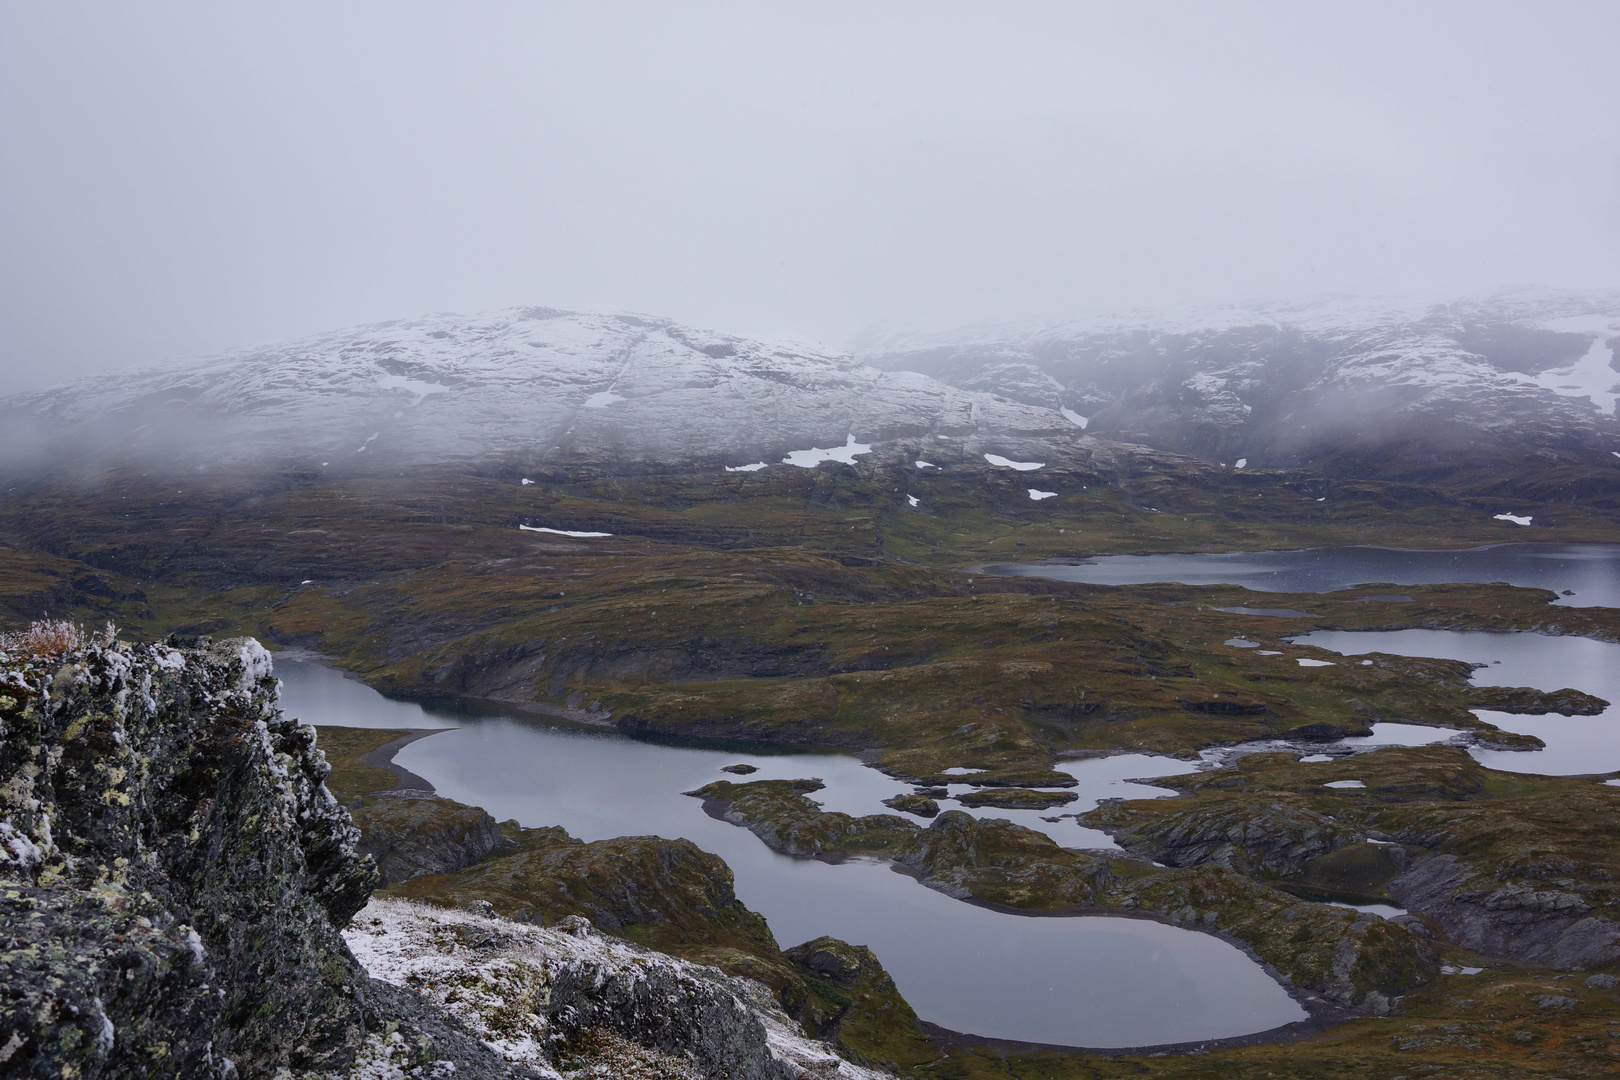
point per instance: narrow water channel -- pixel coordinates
(1079, 981)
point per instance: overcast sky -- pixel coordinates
(182, 179)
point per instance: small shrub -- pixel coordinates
(51, 637)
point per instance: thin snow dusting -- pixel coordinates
(809, 459)
(1516, 519)
(561, 532)
(1074, 417)
(755, 467)
(1007, 463)
(496, 977)
(1305, 661)
(416, 386)
(602, 399)
(367, 443)
(1039, 495)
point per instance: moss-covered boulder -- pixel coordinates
(1016, 798)
(778, 812)
(857, 1005)
(917, 803)
(1001, 863)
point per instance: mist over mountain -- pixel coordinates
(1352, 385)
(523, 385)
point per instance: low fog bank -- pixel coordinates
(1360, 388)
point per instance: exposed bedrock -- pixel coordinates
(173, 871)
(1537, 922)
(409, 835)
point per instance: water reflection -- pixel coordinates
(1102, 982)
(1590, 571)
(1576, 745)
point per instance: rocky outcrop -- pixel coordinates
(414, 833)
(173, 874)
(1271, 838)
(778, 812)
(536, 995)
(1551, 923)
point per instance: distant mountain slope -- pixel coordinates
(522, 384)
(1364, 385)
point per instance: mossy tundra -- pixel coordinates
(819, 607)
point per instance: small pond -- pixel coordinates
(1086, 981)
(1576, 745)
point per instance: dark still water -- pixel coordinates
(1089, 981)
(1590, 571)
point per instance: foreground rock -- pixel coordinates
(174, 874)
(557, 1001)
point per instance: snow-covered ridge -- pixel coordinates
(532, 383)
(1284, 383)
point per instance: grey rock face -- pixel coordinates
(1277, 841)
(173, 873)
(1542, 925)
(423, 835)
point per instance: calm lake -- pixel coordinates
(1576, 745)
(1088, 981)
(1590, 571)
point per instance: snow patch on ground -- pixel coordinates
(1242, 463)
(602, 399)
(561, 532)
(809, 459)
(1074, 417)
(1516, 519)
(1344, 784)
(1008, 463)
(1039, 495)
(1305, 661)
(416, 386)
(912, 499)
(931, 465)
(755, 467)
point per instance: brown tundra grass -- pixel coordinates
(49, 637)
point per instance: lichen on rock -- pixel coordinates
(174, 872)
